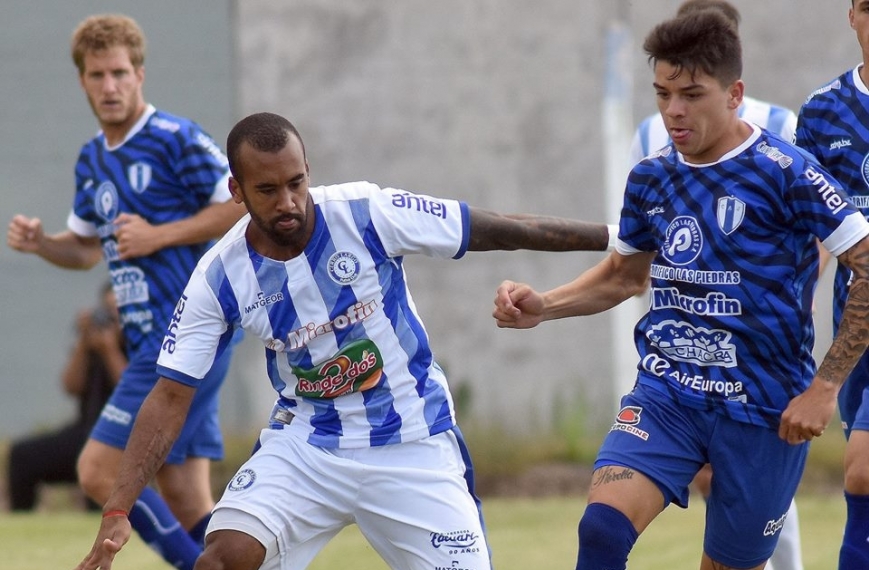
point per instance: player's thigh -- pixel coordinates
(415, 507)
(755, 477)
(653, 439)
(98, 466)
(186, 488)
(293, 496)
(233, 549)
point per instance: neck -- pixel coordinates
(115, 133)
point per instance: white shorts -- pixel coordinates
(410, 500)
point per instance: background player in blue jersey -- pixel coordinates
(651, 134)
(724, 222)
(834, 126)
(364, 428)
(151, 191)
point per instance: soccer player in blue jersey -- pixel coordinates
(834, 126)
(151, 192)
(363, 430)
(723, 221)
(651, 134)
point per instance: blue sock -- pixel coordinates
(855, 550)
(606, 537)
(160, 530)
(197, 533)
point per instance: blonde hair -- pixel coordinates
(105, 31)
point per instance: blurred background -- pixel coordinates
(508, 105)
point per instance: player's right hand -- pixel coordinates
(113, 535)
(517, 306)
(25, 234)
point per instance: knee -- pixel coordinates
(857, 480)
(95, 480)
(606, 537)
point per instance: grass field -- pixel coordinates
(524, 533)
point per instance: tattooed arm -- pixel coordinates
(808, 414)
(494, 231)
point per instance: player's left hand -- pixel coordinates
(136, 237)
(808, 415)
(113, 535)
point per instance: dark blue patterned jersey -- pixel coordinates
(833, 125)
(729, 327)
(166, 169)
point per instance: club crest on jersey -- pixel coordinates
(139, 176)
(683, 241)
(106, 201)
(864, 170)
(731, 212)
(242, 480)
(343, 267)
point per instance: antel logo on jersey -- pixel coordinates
(684, 241)
(106, 201)
(343, 267)
(242, 480)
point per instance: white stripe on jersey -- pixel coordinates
(307, 315)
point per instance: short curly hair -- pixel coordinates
(105, 31)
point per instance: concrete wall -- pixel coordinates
(497, 102)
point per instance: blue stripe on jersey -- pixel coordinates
(729, 326)
(833, 125)
(166, 171)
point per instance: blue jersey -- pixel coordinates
(833, 125)
(166, 169)
(345, 349)
(729, 327)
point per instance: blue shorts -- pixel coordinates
(854, 398)
(200, 436)
(755, 473)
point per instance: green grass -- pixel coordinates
(524, 533)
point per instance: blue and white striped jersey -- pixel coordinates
(729, 327)
(345, 348)
(166, 169)
(834, 126)
(651, 134)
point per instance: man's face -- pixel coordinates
(697, 111)
(274, 187)
(113, 88)
(858, 17)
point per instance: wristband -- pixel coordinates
(115, 513)
(613, 231)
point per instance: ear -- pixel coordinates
(735, 92)
(235, 190)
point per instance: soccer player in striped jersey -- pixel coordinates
(652, 134)
(724, 222)
(834, 126)
(151, 193)
(364, 429)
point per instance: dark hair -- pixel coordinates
(700, 41)
(266, 132)
(726, 8)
